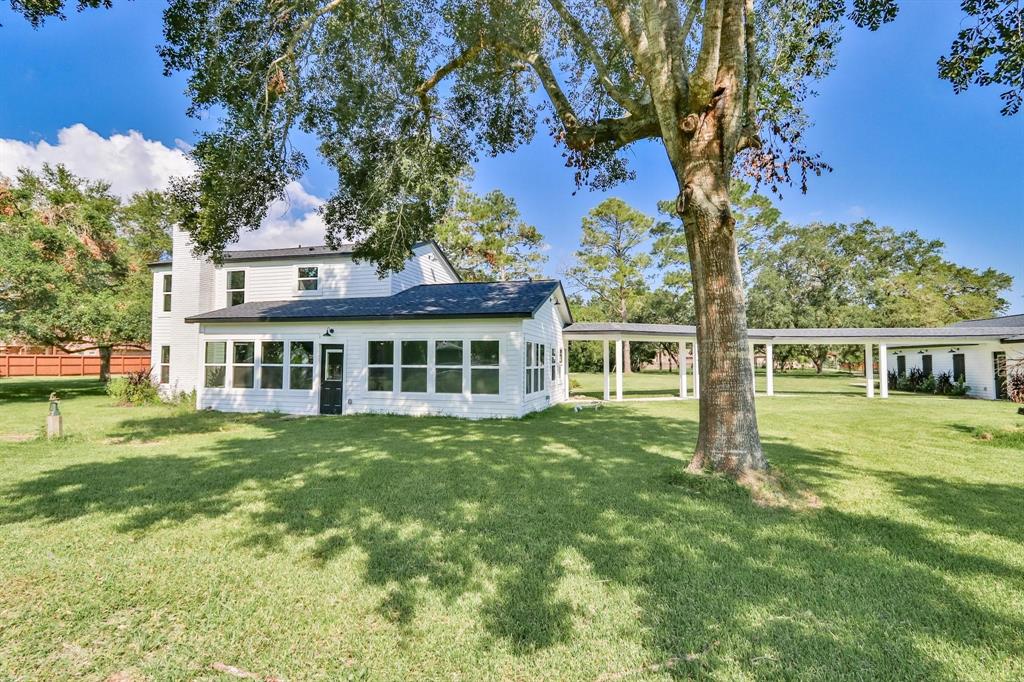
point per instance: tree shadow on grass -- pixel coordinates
(437, 507)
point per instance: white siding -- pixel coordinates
(546, 328)
(979, 367)
(426, 266)
(340, 277)
(355, 336)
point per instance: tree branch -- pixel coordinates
(460, 60)
(749, 137)
(589, 50)
(702, 82)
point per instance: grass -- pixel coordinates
(152, 543)
(655, 384)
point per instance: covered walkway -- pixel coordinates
(686, 336)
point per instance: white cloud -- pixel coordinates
(131, 163)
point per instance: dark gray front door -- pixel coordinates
(999, 365)
(332, 379)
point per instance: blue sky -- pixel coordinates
(907, 152)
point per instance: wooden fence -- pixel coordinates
(67, 365)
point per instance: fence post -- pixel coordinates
(35, 365)
(82, 363)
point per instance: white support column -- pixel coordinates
(753, 370)
(769, 367)
(696, 372)
(869, 370)
(607, 383)
(682, 370)
(883, 370)
(618, 369)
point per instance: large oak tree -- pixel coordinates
(403, 94)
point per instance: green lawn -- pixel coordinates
(155, 543)
(659, 384)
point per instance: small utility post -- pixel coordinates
(54, 422)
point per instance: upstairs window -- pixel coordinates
(414, 366)
(243, 361)
(167, 293)
(309, 278)
(165, 364)
(484, 370)
(301, 373)
(236, 287)
(216, 363)
(381, 366)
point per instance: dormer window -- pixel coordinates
(236, 287)
(309, 279)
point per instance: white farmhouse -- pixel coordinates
(309, 331)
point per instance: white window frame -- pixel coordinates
(262, 363)
(250, 365)
(468, 358)
(401, 367)
(299, 279)
(165, 287)
(207, 364)
(536, 368)
(462, 366)
(395, 385)
(311, 365)
(165, 365)
(228, 291)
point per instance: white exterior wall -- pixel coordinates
(191, 293)
(340, 277)
(355, 336)
(426, 266)
(978, 364)
(546, 328)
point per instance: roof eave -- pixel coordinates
(355, 318)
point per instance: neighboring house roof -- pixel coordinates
(462, 299)
(1004, 321)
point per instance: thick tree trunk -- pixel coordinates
(105, 352)
(728, 438)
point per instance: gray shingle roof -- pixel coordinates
(1004, 321)
(464, 299)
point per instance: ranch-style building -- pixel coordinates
(308, 330)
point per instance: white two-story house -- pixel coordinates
(307, 330)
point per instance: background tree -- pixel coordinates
(610, 264)
(487, 240)
(67, 278)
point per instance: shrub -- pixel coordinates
(944, 384)
(893, 380)
(959, 388)
(1015, 384)
(136, 388)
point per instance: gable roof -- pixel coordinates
(1004, 321)
(438, 301)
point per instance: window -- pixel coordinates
(309, 279)
(534, 367)
(901, 365)
(272, 364)
(538, 382)
(236, 287)
(554, 364)
(243, 360)
(448, 366)
(301, 370)
(528, 364)
(381, 362)
(165, 364)
(484, 373)
(959, 370)
(167, 293)
(414, 366)
(216, 363)
(926, 365)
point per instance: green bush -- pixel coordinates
(136, 388)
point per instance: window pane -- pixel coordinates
(448, 380)
(414, 379)
(216, 352)
(485, 381)
(244, 351)
(271, 377)
(165, 353)
(307, 285)
(241, 376)
(382, 352)
(236, 279)
(529, 381)
(529, 354)
(236, 298)
(308, 272)
(484, 352)
(215, 376)
(381, 379)
(448, 353)
(167, 303)
(302, 353)
(414, 352)
(167, 284)
(165, 374)
(540, 378)
(273, 352)
(335, 369)
(302, 378)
